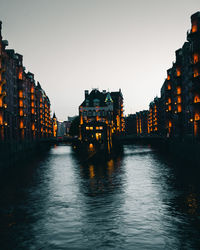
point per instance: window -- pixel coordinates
(178, 72)
(196, 99)
(196, 73)
(195, 58)
(96, 102)
(178, 90)
(194, 27)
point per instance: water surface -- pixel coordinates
(140, 200)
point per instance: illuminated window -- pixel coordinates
(91, 128)
(20, 75)
(168, 77)
(169, 100)
(32, 104)
(1, 119)
(170, 107)
(178, 72)
(179, 108)
(98, 136)
(20, 94)
(196, 99)
(178, 99)
(170, 124)
(169, 86)
(196, 117)
(20, 103)
(195, 58)
(87, 128)
(32, 90)
(196, 73)
(194, 27)
(21, 124)
(21, 113)
(32, 111)
(33, 126)
(178, 89)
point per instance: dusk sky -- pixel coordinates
(73, 45)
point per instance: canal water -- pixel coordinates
(139, 200)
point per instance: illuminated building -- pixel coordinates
(142, 122)
(23, 118)
(101, 116)
(194, 39)
(54, 125)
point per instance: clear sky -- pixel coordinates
(73, 45)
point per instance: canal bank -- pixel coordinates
(186, 148)
(10, 153)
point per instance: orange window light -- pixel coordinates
(194, 27)
(196, 117)
(178, 89)
(33, 126)
(195, 58)
(178, 72)
(196, 99)
(20, 103)
(169, 86)
(1, 119)
(179, 99)
(21, 124)
(179, 108)
(196, 73)
(169, 100)
(168, 77)
(20, 75)
(170, 107)
(20, 94)
(21, 113)
(170, 124)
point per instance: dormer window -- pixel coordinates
(96, 102)
(87, 102)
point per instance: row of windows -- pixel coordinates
(97, 113)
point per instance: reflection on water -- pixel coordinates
(139, 200)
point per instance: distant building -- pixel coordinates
(130, 124)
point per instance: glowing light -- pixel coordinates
(196, 73)
(194, 27)
(178, 89)
(178, 72)
(179, 108)
(20, 75)
(195, 58)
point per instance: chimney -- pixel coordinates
(86, 93)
